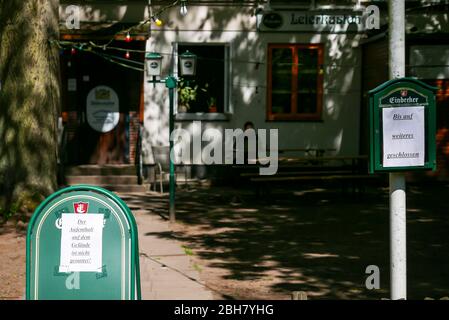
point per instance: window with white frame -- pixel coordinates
(207, 90)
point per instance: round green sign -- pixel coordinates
(82, 244)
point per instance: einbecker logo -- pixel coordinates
(102, 94)
(81, 207)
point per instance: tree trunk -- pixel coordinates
(29, 98)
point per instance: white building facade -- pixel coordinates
(295, 66)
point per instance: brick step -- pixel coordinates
(98, 170)
(125, 188)
(101, 180)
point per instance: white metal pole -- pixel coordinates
(398, 249)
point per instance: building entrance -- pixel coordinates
(102, 103)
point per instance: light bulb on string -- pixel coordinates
(183, 9)
(127, 55)
(73, 51)
(128, 37)
(158, 22)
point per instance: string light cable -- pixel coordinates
(89, 47)
(128, 31)
(80, 46)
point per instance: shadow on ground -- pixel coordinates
(314, 240)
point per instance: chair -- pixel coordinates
(161, 156)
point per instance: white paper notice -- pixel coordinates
(403, 136)
(81, 243)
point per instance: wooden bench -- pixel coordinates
(314, 177)
(293, 173)
(356, 182)
(317, 152)
(345, 170)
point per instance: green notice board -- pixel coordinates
(82, 244)
(402, 126)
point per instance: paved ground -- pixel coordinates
(167, 271)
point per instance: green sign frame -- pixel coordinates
(397, 93)
(119, 276)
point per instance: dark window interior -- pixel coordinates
(209, 80)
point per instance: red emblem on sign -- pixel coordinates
(81, 207)
(404, 93)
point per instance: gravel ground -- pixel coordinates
(12, 260)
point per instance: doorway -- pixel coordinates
(102, 103)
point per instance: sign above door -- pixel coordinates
(311, 21)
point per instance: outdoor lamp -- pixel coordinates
(183, 9)
(259, 16)
(187, 61)
(153, 61)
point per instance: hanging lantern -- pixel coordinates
(153, 62)
(183, 8)
(128, 37)
(187, 62)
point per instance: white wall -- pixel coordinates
(105, 12)
(342, 79)
(237, 26)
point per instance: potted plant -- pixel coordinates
(186, 94)
(213, 105)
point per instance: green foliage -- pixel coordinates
(7, 213)
(188, 92)
(197, 267)
(187, 251)
(21, 207)
(212, 101)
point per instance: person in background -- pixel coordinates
(247, 126)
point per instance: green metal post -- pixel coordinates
(170, 83)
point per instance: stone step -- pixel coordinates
(98, 170)
(101, 180)
(131, 188)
